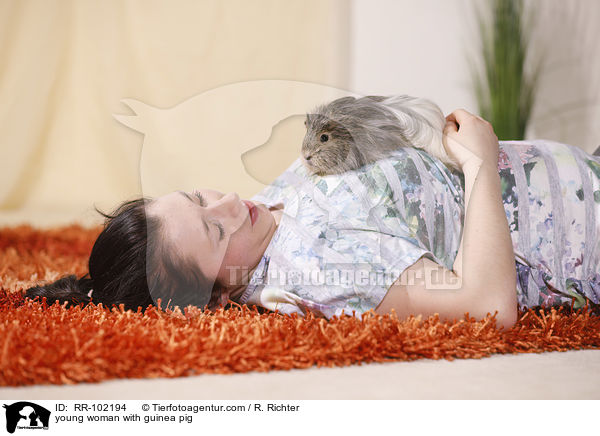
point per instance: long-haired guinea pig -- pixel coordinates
(349, 133)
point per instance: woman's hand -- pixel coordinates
(470, 140)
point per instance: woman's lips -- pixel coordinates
(252, 210)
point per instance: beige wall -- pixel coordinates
(66, 64)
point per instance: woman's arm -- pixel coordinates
(486, 261)
(483, 277)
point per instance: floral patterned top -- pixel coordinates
(344, 239)
(551, 194)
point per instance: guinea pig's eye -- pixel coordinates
(324, 137)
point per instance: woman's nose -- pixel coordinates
(228, 207)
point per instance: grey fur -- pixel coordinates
(362, 131)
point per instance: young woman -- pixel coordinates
(518, 227)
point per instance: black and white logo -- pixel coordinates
(26, 415)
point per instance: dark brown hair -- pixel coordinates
(128, 267)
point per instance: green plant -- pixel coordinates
(505, 94)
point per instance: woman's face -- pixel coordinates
(217, 231)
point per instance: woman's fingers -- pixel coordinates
(459, 116)
(451, 127)
(484, 121)
(451, 124)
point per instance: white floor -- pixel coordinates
(555, 375)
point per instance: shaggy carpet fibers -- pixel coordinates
(44, 343)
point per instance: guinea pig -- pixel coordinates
(349, 133)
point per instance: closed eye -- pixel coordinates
(221, 231)
(200, 197)
(203, 203)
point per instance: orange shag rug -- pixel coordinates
(49, 344)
